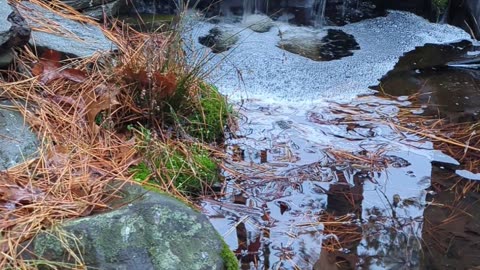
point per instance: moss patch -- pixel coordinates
(440, 4)
(229, 258)
(208, 120)
(189, 171)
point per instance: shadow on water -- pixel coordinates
(445, 77)
(451, 230)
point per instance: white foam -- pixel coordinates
(257, 68)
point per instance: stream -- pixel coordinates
(318, 176)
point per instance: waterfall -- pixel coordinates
(249, 7)
(319, 13)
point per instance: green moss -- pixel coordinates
(229, 258)
(191, 172)
(441, 5)
(208, 120)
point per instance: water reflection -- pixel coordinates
(451, 231)
(293, 203)
(445, 91)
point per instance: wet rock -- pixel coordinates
(219, 40)
(17, 142)
(85, 4)
(419, 7)
(335, 45)
(341, 12)
(13, 32)
(155, 6)
(154, 231)
(97, 8)
(258, 23)
(74, 38)
(109, 9)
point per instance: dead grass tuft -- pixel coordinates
(80, 109)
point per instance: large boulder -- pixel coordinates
(68, 36)
(13, 32)
(152, 231)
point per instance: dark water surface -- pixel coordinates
(445, 77)
(336, 186)
(330, 185)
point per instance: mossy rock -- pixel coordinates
(153, 232)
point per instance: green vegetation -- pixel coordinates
(208, 121)
(441, 5)
(174, 166)
(230, 260)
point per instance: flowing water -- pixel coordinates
(318, 177)
(319, 13)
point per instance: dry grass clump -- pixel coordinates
(80, 109)
(77, 161)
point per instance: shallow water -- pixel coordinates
(445, 85)
(318, 177)
(270, 213)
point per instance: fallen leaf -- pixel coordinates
(166, 84)
(49, 69)
(103, 97)
(162, 85)
(13, 194)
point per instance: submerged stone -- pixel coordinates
(219, 40)
(445, 78)
(154, 231)
(335, 45)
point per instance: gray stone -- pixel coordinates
(13, 32)
(258, 23)
(17, 142)
(5, 11)
(155, 231)
(76, 39)
(6, 58)
(108, 9)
